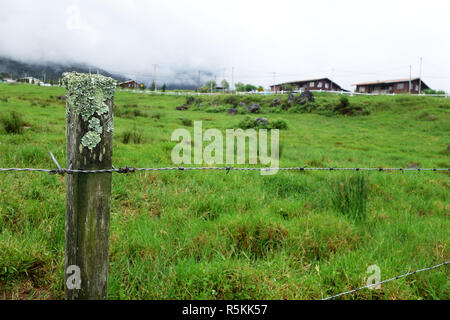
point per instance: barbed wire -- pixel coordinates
(134, 169)
(387, 280)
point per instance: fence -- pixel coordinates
(349, 93)
(88, 190)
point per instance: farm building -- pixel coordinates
(30, 80)
(392, 86)
(129, 84)
(312, 84)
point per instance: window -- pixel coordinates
(319, 85)
(362, 89)
(417, 87)
(327, 85)
(400, 86)
(311, 84)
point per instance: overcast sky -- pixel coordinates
(350, 41)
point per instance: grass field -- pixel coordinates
(212, 235)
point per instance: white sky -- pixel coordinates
(360, 40)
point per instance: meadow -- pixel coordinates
(241, 235)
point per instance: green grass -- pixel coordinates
(212, 235)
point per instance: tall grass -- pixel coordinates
(12, 123)
(349, 196)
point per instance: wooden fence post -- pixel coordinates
(89, 138)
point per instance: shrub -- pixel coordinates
(431, 91)
(246, 123)
(13, 123)
(345, 108)
(4, 99)
(278, 124)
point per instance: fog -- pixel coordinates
(349, 41)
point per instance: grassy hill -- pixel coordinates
(212, 235)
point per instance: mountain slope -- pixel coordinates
(49, 71)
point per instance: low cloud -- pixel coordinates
(346, 40)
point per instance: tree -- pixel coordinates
(225, 84)
(260, 89)
(240, 87)
(249, 87)
(211, 84)
(287, 87)
(164, 88)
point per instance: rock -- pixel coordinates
(254, 107)
(242, 104)
(61, 97)
(232, 111)
(291, 98)
(183, 107)
(305, 97)
(275, 102)
(432, 117)
(261, 121)
(413, 165)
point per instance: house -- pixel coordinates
(312, 84)
(29, 80)
(130, 84)
(392, 86)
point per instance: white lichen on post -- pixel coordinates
(87, 94)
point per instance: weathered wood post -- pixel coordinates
(89, 137)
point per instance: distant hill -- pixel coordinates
(51, 71)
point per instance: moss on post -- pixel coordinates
(89, 146)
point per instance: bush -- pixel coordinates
(278, 124)
(13, 123)
(345, 108)
(431, 91)
(247, 123)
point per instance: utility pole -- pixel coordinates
(199, 83)
(274, 75)
(410, 67)
(154, 77)
(420, 77)
(332, 76)
(232, 78)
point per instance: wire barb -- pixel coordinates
(60, 170)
